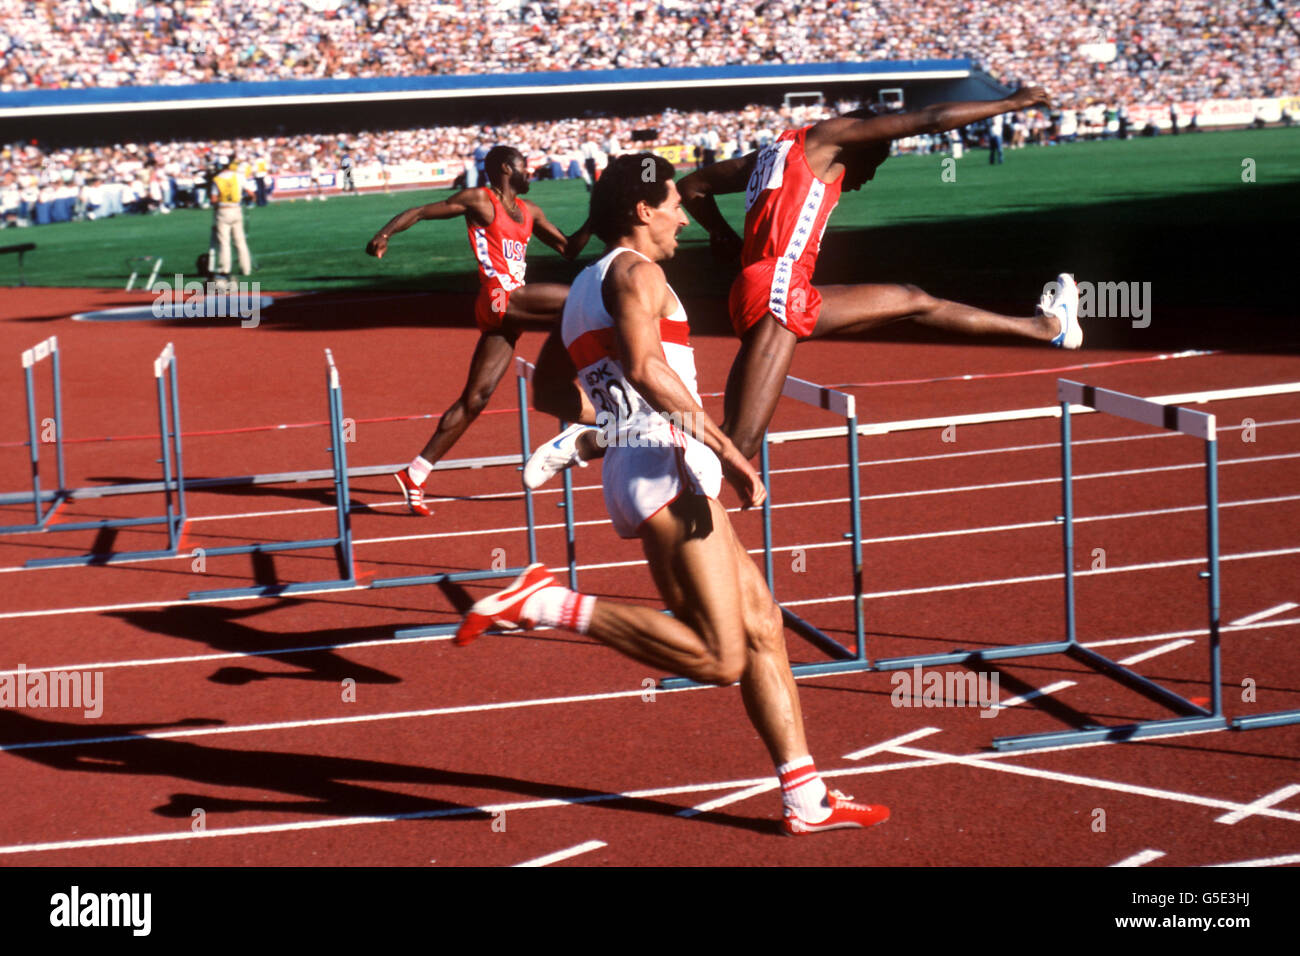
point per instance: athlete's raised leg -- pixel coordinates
(537, 302)
(862, 308)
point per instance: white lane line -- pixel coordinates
(905, 592)
(1037, 578)
(237, 655)
(894, 742)
(1268, 800)
(1034, 694)
(729, 799)
(930, 760)
(1154, 652)
(333, 822)
(1140, 859)
(885, 539)
(1157, 793)
(1265, 861)
(559, 855)
(1260, 615)
(334, 721)
(199, 658)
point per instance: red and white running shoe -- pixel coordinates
(505, 609)
(413, 493)
(845, 813)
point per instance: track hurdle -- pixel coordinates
(340, 542)
(845, 660)
(30, 358)
(173, 485)
(523, 374)
(1192, 717)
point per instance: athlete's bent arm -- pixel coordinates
(568, 246)
(465, 202)
(698, 191)
(636, 297)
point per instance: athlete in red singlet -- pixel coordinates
(500, 224)
(791, 187)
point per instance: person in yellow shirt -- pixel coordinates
(227, 191)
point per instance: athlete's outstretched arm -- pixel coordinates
(568, 246)
(698, 191)
(465, 202)
(635, 298)
(844, 131)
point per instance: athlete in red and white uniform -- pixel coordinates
(649, 461)
(786, 212)
(623, 338)
(499, 248)
(790, 189)
(500, 223)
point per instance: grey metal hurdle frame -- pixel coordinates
(172, 485)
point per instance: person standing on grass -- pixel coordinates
(500, 223)
(227, 194)
(791, 187)
(624, 336)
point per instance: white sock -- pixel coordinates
(560, 607)
(803, 791)
(419, 470)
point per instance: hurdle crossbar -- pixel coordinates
(341, 542)
(845, 659)
(166, 385)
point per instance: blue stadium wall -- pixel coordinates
(212, 110)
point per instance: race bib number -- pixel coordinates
(769, 170)
(513, 250)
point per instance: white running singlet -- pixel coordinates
(650, 461)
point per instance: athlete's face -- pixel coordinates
(667, 220)
(518, 175)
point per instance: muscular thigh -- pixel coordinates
(860, 308)
(698, 577)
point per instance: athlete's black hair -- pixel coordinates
(499, 156)
(626, 181)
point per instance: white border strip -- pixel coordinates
(559, 855)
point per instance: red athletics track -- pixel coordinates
(237, 708)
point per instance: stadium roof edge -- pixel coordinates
(294, 92)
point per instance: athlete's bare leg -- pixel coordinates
(759, 371)
(487, 367)
(861, 308)
(725, 627)
(537, 302)
(755, 382)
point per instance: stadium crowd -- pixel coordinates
(1133, 51)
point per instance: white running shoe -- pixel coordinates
(1065, 306)
(559, 453)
